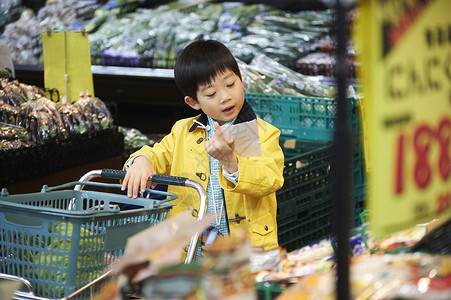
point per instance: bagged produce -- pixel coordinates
(28, 106)
(12, 132)
(13, 94)
(9, 11)
(74, 121)
(102, 113)
(264, 75)
(22, 38)
(60, 15)
(46, 128)
(8, 113)
(161, 286)
(6, 145)
(134, 139)
(164, 55)
(122, 33)
(96, 115)
(154, 37)
(13, 137)
(49, 122)
(285, 77)
(237, 17)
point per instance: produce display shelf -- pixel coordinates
(26, 163)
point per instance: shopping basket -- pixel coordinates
(61, 240)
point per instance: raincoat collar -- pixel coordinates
(246, 114)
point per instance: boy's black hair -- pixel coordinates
(200, 62)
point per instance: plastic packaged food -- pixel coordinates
(133, 138)
(73, 120)
(9, 12)
(9, 113)
(21, 38)
(264, 75)
(25, 105)
(13, 137)
(12, 132)
(96, 115)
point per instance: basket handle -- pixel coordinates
(156, 178)
(46, 188)
(78, 184)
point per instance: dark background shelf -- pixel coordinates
(145, 99)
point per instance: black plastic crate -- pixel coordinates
(304, 176)
(305, 207)
(309, 225)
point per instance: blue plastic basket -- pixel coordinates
(304, 118)
(60, 250)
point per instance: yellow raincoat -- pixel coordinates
(253, 200)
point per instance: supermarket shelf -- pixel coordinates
(133, 72)
(53, 155)
(158, 74)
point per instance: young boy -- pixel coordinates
(240, 189)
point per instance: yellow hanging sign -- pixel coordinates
(67, 63)
(406, 76)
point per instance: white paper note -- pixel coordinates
(245, 136)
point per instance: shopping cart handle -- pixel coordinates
(111, 173)
(163, 179)
(172, 180)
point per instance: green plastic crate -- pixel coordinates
(293, 147)
(304, 118)
(60, 250)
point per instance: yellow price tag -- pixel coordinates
(406, 62)
(67, 63)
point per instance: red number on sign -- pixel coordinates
(423, 137)
(399, 180)
(421, 145)
(443, 137)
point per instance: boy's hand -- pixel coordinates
(137, 176)
(221, 149)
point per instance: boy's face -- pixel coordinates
(222, 99)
